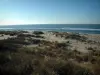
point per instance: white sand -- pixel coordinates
(50, 37)
(6, 37)
(80, 46)
(94, 37)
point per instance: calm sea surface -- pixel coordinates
(77, 28)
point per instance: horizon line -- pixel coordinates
(44, 24)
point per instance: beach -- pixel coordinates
(58, 37)
(41, 48)
(49, 37)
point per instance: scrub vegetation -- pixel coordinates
(47, 58)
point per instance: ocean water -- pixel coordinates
(77, 28)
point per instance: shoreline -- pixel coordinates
(51, 31)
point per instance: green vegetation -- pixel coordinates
(76, 37)
(30, 35)
(38, 32)
(12, 33)
(25, 35)
(47, 58)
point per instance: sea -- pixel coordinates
(75, 28)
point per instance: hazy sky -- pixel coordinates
(49, 11)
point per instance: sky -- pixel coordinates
(14, 12)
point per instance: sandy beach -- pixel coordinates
(75, 44)
(55, 49)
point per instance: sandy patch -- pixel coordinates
(6, 37)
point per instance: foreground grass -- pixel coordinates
(43, 61)
(23, 63)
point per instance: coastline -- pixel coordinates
(78, 28)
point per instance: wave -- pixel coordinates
(67, 28)
(6, 28)
(84, 29)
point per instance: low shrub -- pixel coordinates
(90, 48)
(25, 35)
(76, 37)
(62, 45)
(38, 32)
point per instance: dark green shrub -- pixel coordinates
(36, 41)
(38, 32)
(62, 45)
(25, 35)
(4, 58)
(90, 48)
(72, 69)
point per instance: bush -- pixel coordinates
(12, 44)
(38, 36)
(90, 48)
(36, 41)
(4, 58)
(71, 69)
(37, 32)
(8, 47)
(25, 35)
(96, 69)
(76, 37)
(62, 45)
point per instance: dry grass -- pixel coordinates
(49, 58)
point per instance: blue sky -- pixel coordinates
(49, 12)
